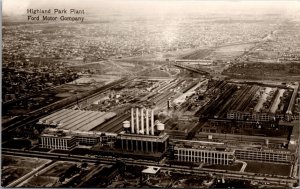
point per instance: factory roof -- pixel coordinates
(70, 133)
(76, 119)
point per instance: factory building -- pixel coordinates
(236, 115)
(59, 140)
(264, 155)
(202, 151)
(205, 155)
(67, 139)
(210, 152)
(142, 134)
(79, 120)
(290, 109)
(239, 126)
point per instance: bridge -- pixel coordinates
(196, 70)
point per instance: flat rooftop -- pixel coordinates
(70, 133)
(81, 120)
(132, 136)
(226, 147)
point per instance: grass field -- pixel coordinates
(268, 168)
(234, 167)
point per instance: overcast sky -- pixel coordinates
(19, 7)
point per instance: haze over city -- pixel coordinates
(173, 94)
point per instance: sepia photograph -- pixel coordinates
(150, 94)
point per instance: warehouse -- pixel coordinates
(76, 119)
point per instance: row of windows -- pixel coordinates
(87, 139)
(201, 159)
(57, 143)
(262, 159)
(265, 117)
(54, 141)
(202, 153)
(261, 154)
(56, 147)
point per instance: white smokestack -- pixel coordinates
(142, 120)
(132, 120)
(147, 122)
(152, 122)
(137, 120)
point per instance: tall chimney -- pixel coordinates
(152, 122)
(137, 120)
(132, 120)
(142, 120)
(147, 122)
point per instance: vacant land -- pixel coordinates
(16, 167)
(50, 177)
(269, 71)
(198, 54)
(234, 167)
(268, 168)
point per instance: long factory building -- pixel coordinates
(67, 139)
(81, 120)
(220, 153)
(144, 135)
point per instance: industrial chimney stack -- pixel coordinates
(147, 122)
(132, 120)
(140, 120)
(152, 122)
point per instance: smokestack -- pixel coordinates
(132, 120)
(142, 120)
(152, 122)
(147, 122)
(137, 121)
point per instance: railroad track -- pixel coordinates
(163, 166)
(34, 116)
(109, 125)
(117, 126)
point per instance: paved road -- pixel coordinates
(244, 165)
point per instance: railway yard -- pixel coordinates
(205, 117)
(192, 108)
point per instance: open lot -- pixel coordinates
(49, 177)
(16, 167)
(234, 167)
(268, 168)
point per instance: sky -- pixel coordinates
(19, 7)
